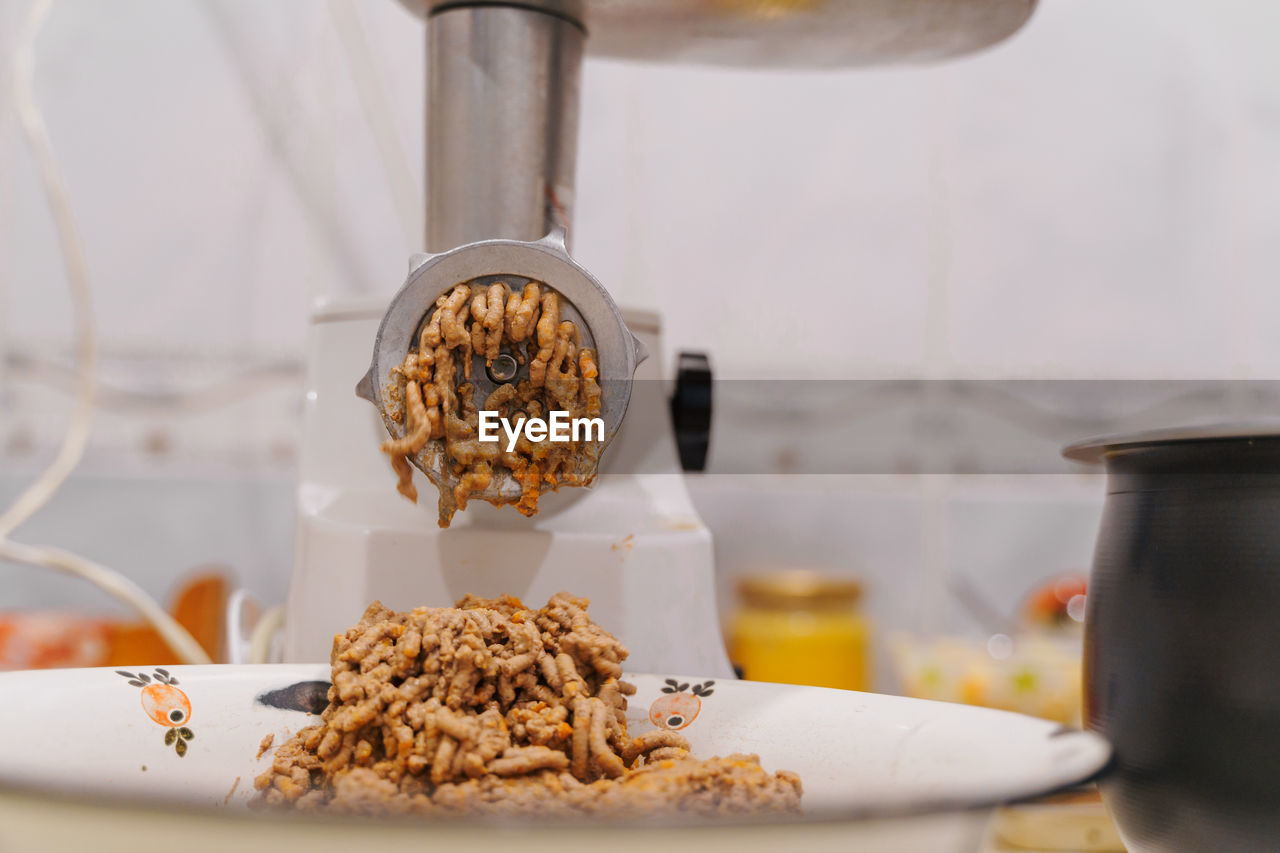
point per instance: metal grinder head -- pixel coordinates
(583, 300)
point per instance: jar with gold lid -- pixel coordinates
(801, 627)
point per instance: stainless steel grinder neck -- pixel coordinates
(503, 85)
(502, 127)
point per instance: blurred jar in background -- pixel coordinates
(1034, 668)
(801, 627)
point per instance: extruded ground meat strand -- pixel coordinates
(439, 413)
(492, 708)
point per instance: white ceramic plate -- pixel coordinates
(98, 732)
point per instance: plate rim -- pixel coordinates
(1097, 767)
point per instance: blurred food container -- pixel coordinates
(53, 639)
(1032, 673)
(801, 627)
(1074, 821)
(1057, 604)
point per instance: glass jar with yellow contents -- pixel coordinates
(801, 627)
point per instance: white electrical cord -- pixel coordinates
(77, 435)
(264, 634)
(114, 584)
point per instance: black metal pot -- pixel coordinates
(1182, 637)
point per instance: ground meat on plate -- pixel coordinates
(493, 708)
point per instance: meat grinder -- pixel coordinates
(501, 143)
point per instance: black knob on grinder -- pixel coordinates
(691, 409)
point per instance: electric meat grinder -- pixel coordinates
(501, 136)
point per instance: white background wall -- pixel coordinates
(1095, 197)
(1099, 197)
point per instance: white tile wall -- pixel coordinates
(1099, 197)
(1095, 197)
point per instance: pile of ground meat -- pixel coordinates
(492, 708)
